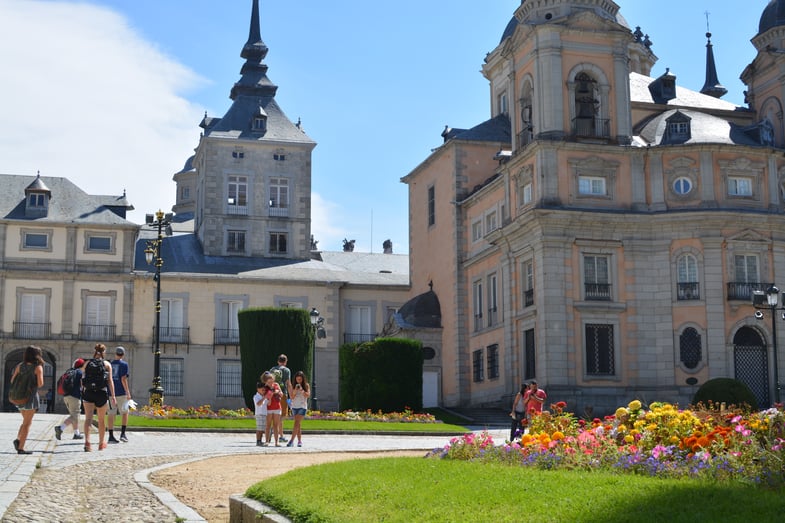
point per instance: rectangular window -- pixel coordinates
(746, 268)
(36, 240)
(529, 359)
(36, 200)
(229, 379)
(491, 223)
(278, 241)
(99, 243)
(478, 305)
(528, 283)
(478, 373)
(493, 313)
(98, 324)
(493, 361)
(32, 316)
(477, 230)
(172, 321)
(279, 193)
(172, 376)
(739, 186)
(359, 327)
(235, 241)
(591, 185)
(503, 108)
(185, 193)
(237, 191)
(527, 193)
(599, 350)
(431, 205)
(227, 329)
(596, 278)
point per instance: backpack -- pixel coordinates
(22, 386)
(95, 375)
(65, 385)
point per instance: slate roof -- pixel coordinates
(639, 92)
(68, 204)
(423, 310)
(236, 123)
(182, 254)
(704, 128)
(497, 129)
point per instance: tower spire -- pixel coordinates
(712, 86)
(254, 81)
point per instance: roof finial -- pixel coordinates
(712, 86)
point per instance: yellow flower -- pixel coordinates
(628, 439)
(557, 436)
(634, 405)
(620, 412)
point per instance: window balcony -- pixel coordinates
(95, 332)
(588, 127)
(597, 291)
(278, 212)
(226, 336)
(493, 317)
(32, 331)
(174, 334)
(478, 322)
(349, 337)
(237, 210)
(740, 290)
(688, 291)
(528, 298)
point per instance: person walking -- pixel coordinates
(283, 377)
(260, 411)
(274, 395)
(534, 399)
(518, 412)
(97, 391)
(123, 391)
(300, 394)
(31, 372)
(73, 401)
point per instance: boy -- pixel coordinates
(260, 410)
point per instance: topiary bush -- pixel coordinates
(725, 390)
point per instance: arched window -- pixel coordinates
(690, 350)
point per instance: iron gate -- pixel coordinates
(751, 364)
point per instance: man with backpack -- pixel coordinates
(123, 392)
(71, 385)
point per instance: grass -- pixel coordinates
(435, 490)
(308, 425)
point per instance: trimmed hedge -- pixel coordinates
(727, 390)
(267, 332)
(385, 374)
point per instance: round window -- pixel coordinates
(682, 185)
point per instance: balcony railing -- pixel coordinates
(598, 291)
(349, 337)
(740, 290)
(591, 127)
(528, 298)
(174, 334)
(226, 336)
(278, 212)
(237, 210)
(29, 330)
(478, 322)
(688, 291)
(97, 332)
(493, 317)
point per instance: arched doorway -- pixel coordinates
(751, 363)
(12, 360)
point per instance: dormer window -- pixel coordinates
(677, 128)
(37, 196)
(259, 121)
(36, 200)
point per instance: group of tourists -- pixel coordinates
(98, 386)
(277, 393)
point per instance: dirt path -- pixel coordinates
(206, 485)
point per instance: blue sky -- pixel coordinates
(109, 93)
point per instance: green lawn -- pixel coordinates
(308, 425)
(435, 490)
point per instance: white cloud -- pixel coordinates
(87, 98)
(324, 217)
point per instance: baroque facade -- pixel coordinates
(605, 230)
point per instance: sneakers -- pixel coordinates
(23, 451)
(299, 443)
(123, 438)
(290, 444)
(16, 444)
(78, 436)
(282, 439)
(112, 440)
(259, 444)
(58, 432)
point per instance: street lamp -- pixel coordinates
(771, 298)
(317, 322)
(152, 255)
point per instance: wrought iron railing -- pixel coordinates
(174, 334)
(740, 290)
(353, 337)
(591, 127)
(97, 332)
(598, 291)
(32, 330)
(528, 298)
(688, 291)
(226, 336)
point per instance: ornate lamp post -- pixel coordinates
(317, 322)
(772, 300)
(152, 255)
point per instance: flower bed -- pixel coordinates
(205, 411)
(661, 441)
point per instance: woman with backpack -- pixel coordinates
(97, 391)
(30, 375)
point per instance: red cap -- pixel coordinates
(78, 363)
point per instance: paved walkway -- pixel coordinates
(73, 485)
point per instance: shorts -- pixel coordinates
(299, 412)
(276, 411)
(73, 405)
(96, 397)
(34, 403)
(261, 421)
(121, 407)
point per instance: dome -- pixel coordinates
(773, 16)
(510, 29)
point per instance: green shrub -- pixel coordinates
(725, 390)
